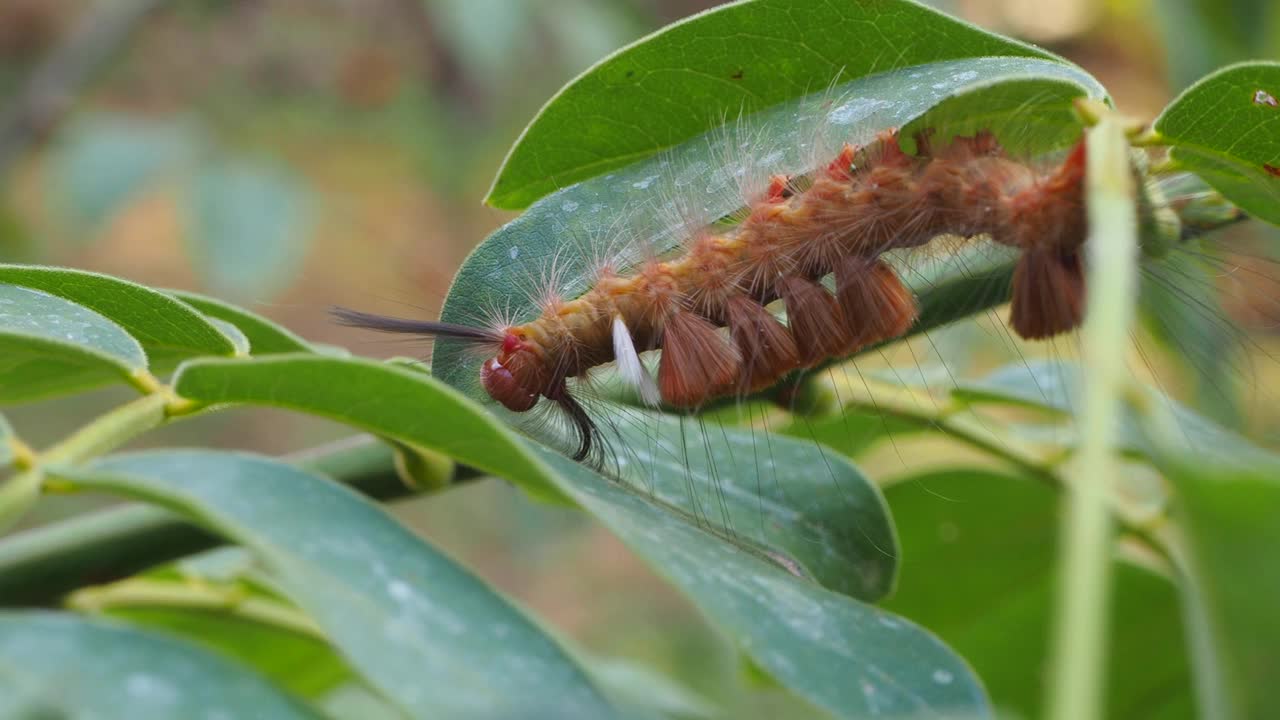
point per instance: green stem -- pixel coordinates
(954, 422)
(18, 495)
(1079, 642)
(982, 434)
(143, 592)
(109, 431)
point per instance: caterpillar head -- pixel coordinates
(514, 377)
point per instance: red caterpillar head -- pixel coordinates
(514, 376)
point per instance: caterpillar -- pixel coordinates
(819, 241)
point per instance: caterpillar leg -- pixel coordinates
(698, 364)
(875, 304)
(1048, 293)
(767, 349)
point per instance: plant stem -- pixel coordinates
(1079, 644)
(143, 592)
(17, 495)
(983, 435)
(109, 431)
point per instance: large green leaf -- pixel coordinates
(167, 328)
(851, 659)
(835, 651)
(739, 58)
(121, 671)
(224, 599)
(265, 337)
(1226, 128)
(979, 569)
(433, 638)
(49, 345)
(1228, 515)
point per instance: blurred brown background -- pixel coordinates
(289, 155)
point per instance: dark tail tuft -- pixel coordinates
(383, 323)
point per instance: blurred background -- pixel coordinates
(289, 155)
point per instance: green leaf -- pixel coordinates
(400, 404)
(849, 658)
(433, 638)
(1226, 128)
(167, 329)
(979, 565)
(233, 333)
(739, 58)
(1228, 516)
(1180, 305)
(812, 510)
(49, 345)
(265, 337)
(247, 228)
(118, 668)
(222, 598)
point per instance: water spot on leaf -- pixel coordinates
(942, 677)
(399, 590)
(889, 622)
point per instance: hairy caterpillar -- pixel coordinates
(847, 199)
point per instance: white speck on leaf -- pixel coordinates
(889, 622)
(942, 677)
(399, 590)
